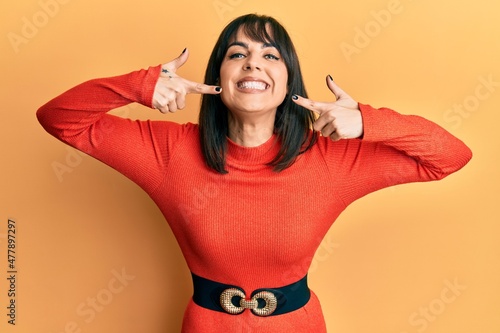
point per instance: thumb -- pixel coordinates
(335, 89)
(175, 64)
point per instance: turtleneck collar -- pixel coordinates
(258, 155)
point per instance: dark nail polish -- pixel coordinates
(218, 89)
(330, 77)
(184, 51)
(295, 97)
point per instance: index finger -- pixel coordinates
(318, 107)
(200, 88)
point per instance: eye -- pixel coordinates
(271, 56)
(236, 56)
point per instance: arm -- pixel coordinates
(138, 149)
(370, 149)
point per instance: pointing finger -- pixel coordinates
(200, 88)
(318, 107)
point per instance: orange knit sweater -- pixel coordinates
(252, 227)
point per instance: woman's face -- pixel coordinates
(253, 76)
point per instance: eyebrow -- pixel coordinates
(245, 45)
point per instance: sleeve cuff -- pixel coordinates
(376, 122)
(148, 85)
(367, 115)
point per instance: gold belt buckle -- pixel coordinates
(252, 304)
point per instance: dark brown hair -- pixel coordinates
(293, 123)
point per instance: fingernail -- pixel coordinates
(218, 89)
(295, 97)
(184, 51)
(330, 77)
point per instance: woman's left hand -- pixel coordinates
(338, 120)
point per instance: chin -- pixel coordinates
(254, 109)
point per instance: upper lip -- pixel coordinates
(252, 79)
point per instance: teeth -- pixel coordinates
(252, 85)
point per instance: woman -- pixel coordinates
(240, 190)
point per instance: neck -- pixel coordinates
(251, 132)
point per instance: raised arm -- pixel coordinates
(369, 149)
(138, 149)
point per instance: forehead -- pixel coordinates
(256, 34)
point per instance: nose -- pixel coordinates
(251, 63)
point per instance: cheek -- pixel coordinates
(223, 72)
(224, 83)
(225, 78)
(282, 85)
(281, 75)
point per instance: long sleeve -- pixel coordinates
(395, 149)
(138, 149)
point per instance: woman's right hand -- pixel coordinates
(171, 89)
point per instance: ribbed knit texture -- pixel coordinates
(252, 227)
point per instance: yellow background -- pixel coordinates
(386, 261)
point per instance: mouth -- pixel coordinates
(252, 85)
